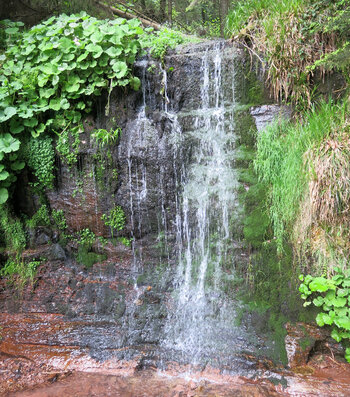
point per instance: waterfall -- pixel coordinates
(179, 183)
(201, 318)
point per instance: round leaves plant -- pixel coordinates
(50, 74)
(332, 296)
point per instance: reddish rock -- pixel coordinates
(303, 339)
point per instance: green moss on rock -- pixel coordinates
(88, 259)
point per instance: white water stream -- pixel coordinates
(196, 203)
(201, 317)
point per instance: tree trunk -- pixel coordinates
(162, 13)
(223, 14)
(170, 12)
(127, 15)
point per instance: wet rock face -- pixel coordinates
(142, 172)
(138, 172)
(305, 340)
(266, 114)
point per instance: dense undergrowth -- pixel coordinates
(306, 166)
(51, 77)
(303, 164)
(297, 39)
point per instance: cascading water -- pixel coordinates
(201, 325)
(181, 184)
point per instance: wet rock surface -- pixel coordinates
(42, 380)
(267, 114)
(303, 341)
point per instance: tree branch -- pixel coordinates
(127, 15)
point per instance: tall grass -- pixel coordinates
(290, 36)
(284, 162)
(243, 10)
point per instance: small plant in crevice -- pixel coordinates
(85, 238)
(85, 255)
(59, 219)
(332, 297)
(18, 272)
(115, 174)
(125, 241)
(68, 143)
(40, 218)
(115, 219)
(103, 162)
(103, 137)
(102, 241)
(79, 189)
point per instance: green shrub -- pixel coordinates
(115, 219)
(40, 218)
(18, 272)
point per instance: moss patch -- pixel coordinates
(88, 259)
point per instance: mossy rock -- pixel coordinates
(88, 259)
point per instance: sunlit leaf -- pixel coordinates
(3, 195)
(7, 113)
(120, 68)
(8, 143)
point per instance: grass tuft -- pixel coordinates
(290, 37)
(306, 167)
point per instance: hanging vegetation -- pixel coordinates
(290, 37)
(50, 75)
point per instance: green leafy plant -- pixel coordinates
(161, 41)
(102, 241)
(18, 272)
(68, 143)
(12, 234)
(85, 255)
(59, 219)
(115, 219)
(10, 32)
(86, 238)
(40, 157)
(125, 241)
(49, 76)
(40, 218)
(332, 296)
(103, 137)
